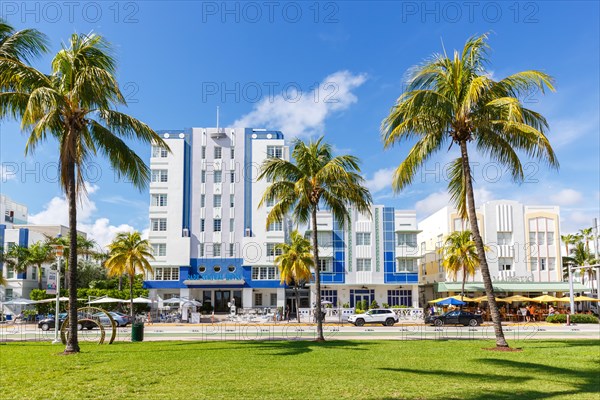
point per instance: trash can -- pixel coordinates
(137, 332)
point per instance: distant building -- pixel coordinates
(524, 249)
(12, 212)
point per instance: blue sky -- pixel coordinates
(261, 62)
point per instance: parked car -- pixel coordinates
(48, 323)
(376, 316)
(104, 320)
(126, 317)
(456, 317)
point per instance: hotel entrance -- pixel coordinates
(223, 297)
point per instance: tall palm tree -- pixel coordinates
(294, 263)
(129, 255)
(581, 256)
(316, 179)
(460, 255)
(586, 235)
(85, 247)
(76, 104)
(454, 101)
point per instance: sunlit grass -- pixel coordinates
(302, 369)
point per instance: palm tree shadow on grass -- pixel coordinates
(297, 347)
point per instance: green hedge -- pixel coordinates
(576, 319)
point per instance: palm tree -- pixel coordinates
(455, 101)
(76, 105)
(587, 234)
(567, 240)
(85, 247)
(294, 263)
(316, 179)
(129, 255)
(36, 256)
(23, 45)
(581, 256)
(460, 255)
(3, 281)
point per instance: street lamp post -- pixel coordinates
(59, 253)
(571, 294)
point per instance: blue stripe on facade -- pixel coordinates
(23, 242)
(2, 233)
(389, 250)
(187, 163)
(247, 180)
(338, 275)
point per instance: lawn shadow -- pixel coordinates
(297, 347)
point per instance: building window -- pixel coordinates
(218, 175)
(363, 264)
(201, 250)
(218, 152)
(272, 250)
(217, 200)
(329, 295)
(326, 265)
(33, 272)
(274, 152)
(505, 238)
(542, 264)
(275, 227)
(264, 273)
(551, 263)
(231, 268)
(231, 200)
(258, 299)
(217, 268)
(217, 225)
(217, 249)
(273, 299)
(159, 200)
(533, 264)
(202, 200)
(203, 176)
(458, 224)
(166, 273)
(406, 239)
(202, 223)
(505, 263)
(541, 236)
(159, 249)
(159, 175)
(271, 203)
(232, 153)
(203, 152)
(231, 224)
(8, 294)
(231, 250)
(400, 298)
(532, 238)
(363, 238)
(406, 265)
(550, 238)
(232, 177)
(10, 272)
(159, 152)
(325, 239)
(158, 224)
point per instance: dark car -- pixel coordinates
(48, 323)
(455, 318)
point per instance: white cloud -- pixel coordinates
(567, 197)
(382, 179)
(56, 212)
(304, 113)
(566, 131)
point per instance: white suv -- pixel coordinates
(377, 316)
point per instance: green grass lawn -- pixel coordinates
(302, 370)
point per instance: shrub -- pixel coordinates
(576, 319)
(385, 305)
(359, 311)
(374, 304)
(346, 305)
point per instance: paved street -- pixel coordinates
(293, 331)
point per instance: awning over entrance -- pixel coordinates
(517, 287)
(213, 282)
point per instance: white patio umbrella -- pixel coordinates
(19, 302)
(106, 300)
(140, 300)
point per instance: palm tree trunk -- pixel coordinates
(121, 282)
(72, 342)
(297, 302)
(320, 337)
(39, 276)
(462, 290)
(485, 271)
(131, 296)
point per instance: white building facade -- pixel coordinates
(209, 236)
(524, 248)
